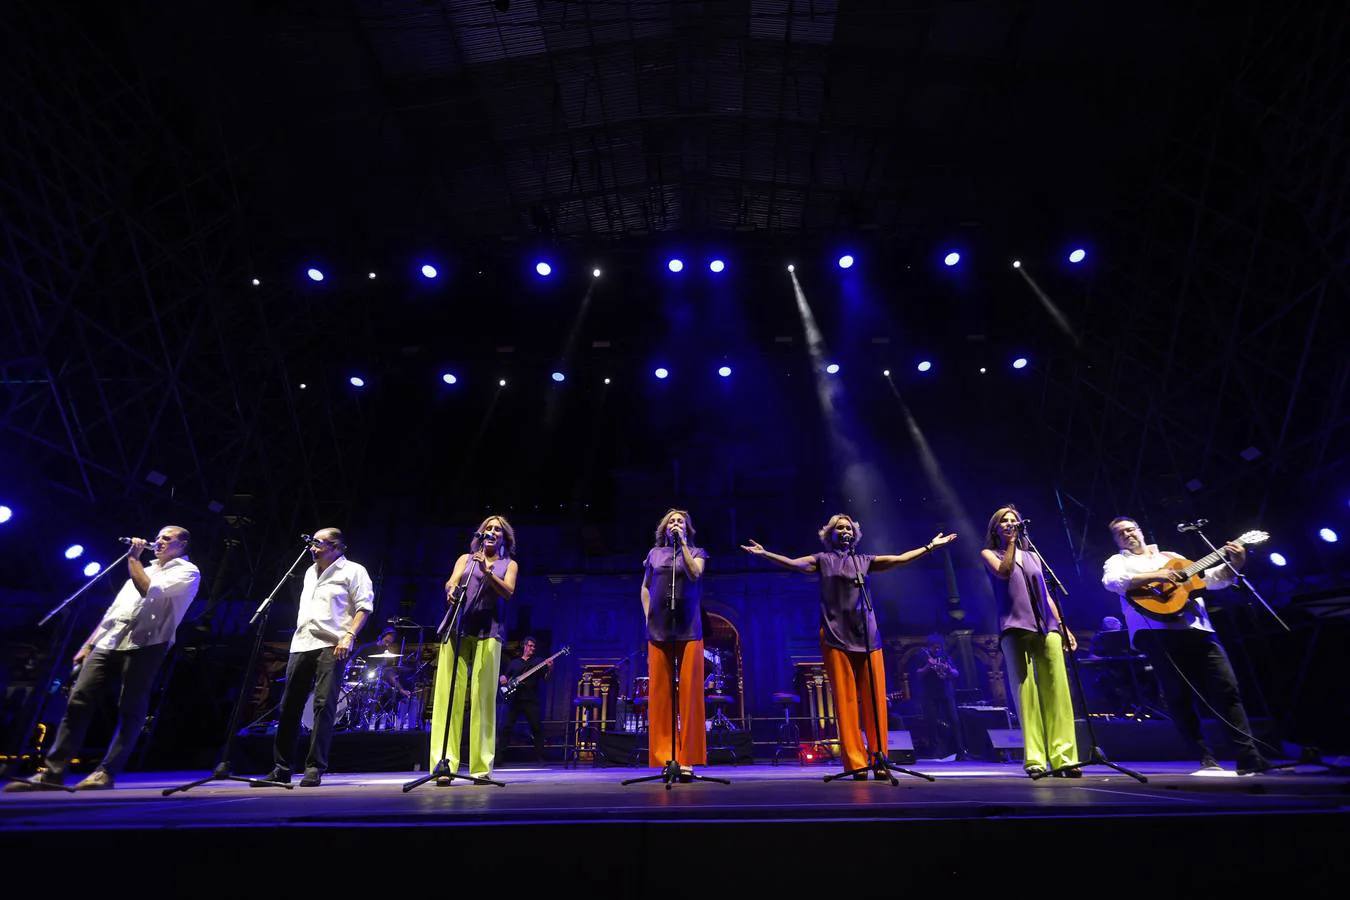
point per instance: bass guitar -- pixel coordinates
(513, 684)
(1164, 600)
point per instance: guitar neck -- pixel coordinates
(1205, 562)
(537, 666)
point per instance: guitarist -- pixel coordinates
(525, 701)
(1185, 652)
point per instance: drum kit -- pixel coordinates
(388, 690)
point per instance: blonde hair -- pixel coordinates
(829, 528)
(991, 538)
(663, 539)
(508, 550)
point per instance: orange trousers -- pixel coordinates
(858, 682)
(691, 740)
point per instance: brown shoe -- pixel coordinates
(45, 779)
(97, 780)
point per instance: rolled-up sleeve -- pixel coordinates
(362, 591)
(1218, 577)
(1115, 575)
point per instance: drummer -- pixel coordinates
(381, 656)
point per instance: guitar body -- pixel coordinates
(1162, 601)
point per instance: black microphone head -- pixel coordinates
(307, 538)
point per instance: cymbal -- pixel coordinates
(389, 654)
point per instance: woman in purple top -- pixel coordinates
(491, 567)
(672, 595)
(847, 631)
(1030, 634)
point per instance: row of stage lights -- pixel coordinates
(544, 268)
(92, 568)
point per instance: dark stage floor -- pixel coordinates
(780, 825)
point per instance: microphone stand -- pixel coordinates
(223, 770)
(1095, 756)
(670, 772)
(877, 761)
(53, 677)
(453, 622)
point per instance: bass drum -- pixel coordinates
(346, 717)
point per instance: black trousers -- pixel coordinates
(529, 708)
(943, 720)
(137, 669)
(316, 670)
(1200, 658)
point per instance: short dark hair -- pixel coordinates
(183, 535)
(1118, 519)
(528, 639)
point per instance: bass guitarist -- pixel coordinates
(525, 700)
(1190, 663)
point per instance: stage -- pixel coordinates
(776, 827)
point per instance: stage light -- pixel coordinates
(1278, 560)
(925, 366)
(501, 383)
(983, 370)
(256, 282)
(429, 271)
(1017, 264)
(314, 275)
(1328, 535)
(832, 368)
(371, 276)
(92, 568)
(303, 385)
(558, 377)
(5, 514)
(595, 273)
(357, 381)
(1020, 362)
(725, 371)
(717, 265)
(543, 268)
(606, 381)
(791, 268)
(661, 372)
(1077, 255)
(74, 551)
(951, 258)
(449, 378)
(886, 373)
(675, 265)
(845, 262)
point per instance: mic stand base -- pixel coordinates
(37, 785)
(222, 773)
(670, 773)
(443, 770)
(1095, 758)
(882, 769)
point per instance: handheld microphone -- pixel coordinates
(1184, 527)
(127, 540)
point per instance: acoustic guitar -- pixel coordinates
(1164, 600)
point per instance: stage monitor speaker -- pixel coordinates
(900, 747)
(1007, 743)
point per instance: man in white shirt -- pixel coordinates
(1185, 652)
(132, 639)
(335, 602)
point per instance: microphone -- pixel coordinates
(307, 538)
(1184, 527)
(846, 539)
(1023, 524)
(126, 540)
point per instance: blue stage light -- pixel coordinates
(543, 268)
(1078, 255)
(74, 551)
(717, 265)
(832, 368)
(558, 377)
(675, 265)
(1278, 560)
(91, 569)
(1020, 362)
(725, 371)
(925, 366)
(429, 271)
(5, 514)
(449, 378)
(314, 275)
(845, 262)
(951, 258)
(1328, 535)
(661, 372)
(357, 381)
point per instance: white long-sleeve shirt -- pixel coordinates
(1118, 570)
(329, 603)
(133, 621)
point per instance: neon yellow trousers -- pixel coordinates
(1041, 691)
(482, 657)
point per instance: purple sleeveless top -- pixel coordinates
(1023, 600)
(484, 618)
(842, 619)
(685, 623)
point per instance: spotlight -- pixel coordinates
(832, 368)
(303, 386)
(314, 275)
(1020, 362)
(256, 282)
(661, 373)
(501, 383)
(429, 271)
(886, 373)
(1077, 255)
(357, 381)
(925, 366)
(1278, 559)
(1328, 535)
(983, 370)
(5, 514)
(595, 273)
(951, 258)
(717, 265)
(1017, 264)
(74, 551)
(725, 371)
(558, 377)
(371, 276)
(845, 262)
(675, 265)
(543, 268)
(91, 569)
(791, 268)
(449, 378)
(606, 381)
